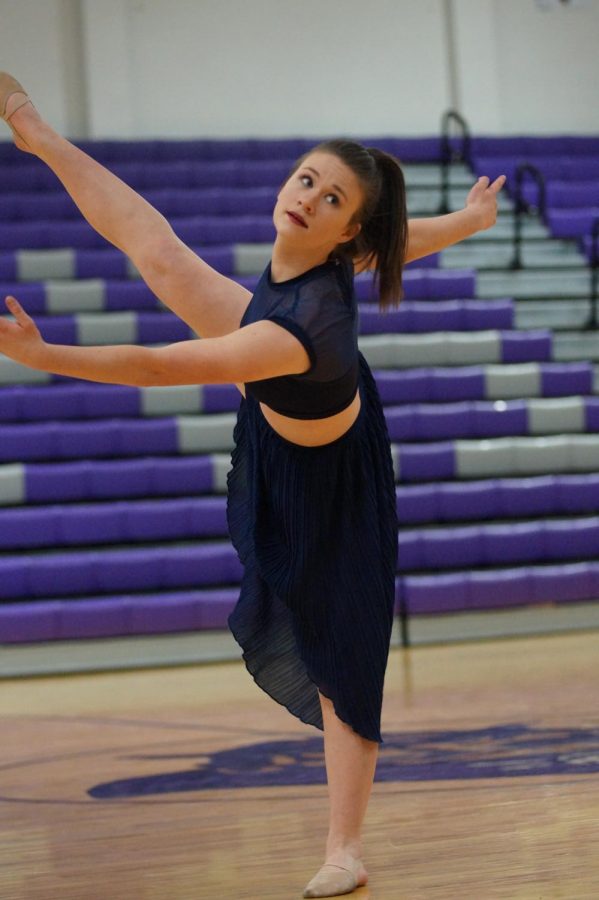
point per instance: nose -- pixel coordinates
(307, 202)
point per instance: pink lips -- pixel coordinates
(297, 219)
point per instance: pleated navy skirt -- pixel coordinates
(316, 531)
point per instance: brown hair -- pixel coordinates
(383, 237)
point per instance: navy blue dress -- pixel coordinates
(315, 527)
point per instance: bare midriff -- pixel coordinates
(311, 432)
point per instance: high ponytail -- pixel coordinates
(382, 240)
(383, 237)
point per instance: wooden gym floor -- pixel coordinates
(188, 783)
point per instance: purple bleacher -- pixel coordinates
(97, 617)
(57, 329)
(566, 194)
(499, 588)
(32, 296)
(46, 206)
(67, 401)
(560, 379)
(574, 582)
(424, 284)
(475, 500)
(191, 229)
(106, 264)
(417, 503)
(432, 261)
(254, 201)
(582, 167)
(29, 622)
(542, 145)
(466, 419)
(80, 573)
(8, 265)
(112, 264)
(223, 230)
(191, 151)
(220, 398)
(154, 328)
(106, 479)
(505, 498)
(571, 223)
(59, 440)
(577, 493)
(93, 617)
(437, 315)
(129, 295)
(571, 538)
(427, 463)
(151, 615)
(591, 413)
(434, 594)
(575, 170)
(528, 346)
(521, 497)
(497, 544)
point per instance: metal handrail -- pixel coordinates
(451, 154)
(592, 323)
(521, 206)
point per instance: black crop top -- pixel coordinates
(319, 309)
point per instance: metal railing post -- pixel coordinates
(521, 206)
(450, 155)
(592, 322)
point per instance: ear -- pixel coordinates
(350, 233)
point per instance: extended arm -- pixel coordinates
(261, 350)
(429, 235)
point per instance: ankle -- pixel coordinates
(24, 120)
(342, 848)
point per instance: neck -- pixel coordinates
(288, 261)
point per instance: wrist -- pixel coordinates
(38, 356)
(472, 220)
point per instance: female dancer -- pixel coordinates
(311, 494)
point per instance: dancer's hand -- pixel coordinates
(482, 201)
(20, 340)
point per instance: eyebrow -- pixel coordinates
(336, 186)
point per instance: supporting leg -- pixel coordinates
(350, 763)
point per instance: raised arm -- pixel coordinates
(261, 350)
(429, 235)
(207, 301)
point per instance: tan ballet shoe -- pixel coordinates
(331, 881)
(8, 87)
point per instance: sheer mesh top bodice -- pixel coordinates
(319, 309)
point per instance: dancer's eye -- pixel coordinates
(306, 180)
(333, 199)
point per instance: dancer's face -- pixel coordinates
(315, 207)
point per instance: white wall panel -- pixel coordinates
(548, 67)
(188, 68)
(268, 67)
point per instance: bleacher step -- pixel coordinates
(576, 345)
(559, 315)
(527, 285)
(499, 255)
(430, 175)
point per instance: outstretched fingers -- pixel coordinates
(498, 184)
(15, 308)
(484, 184)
